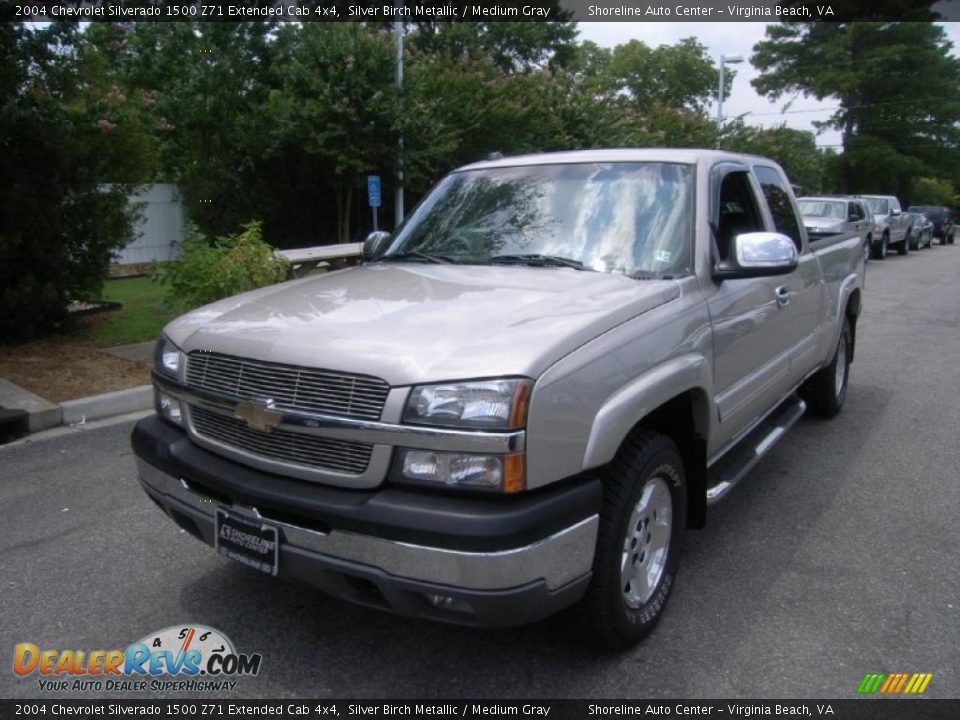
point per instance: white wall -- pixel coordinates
(160, 230)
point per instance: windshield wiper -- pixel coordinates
(539, 260)
(644, 275)
(417, 255)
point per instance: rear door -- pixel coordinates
(802, 303)
(752, 336)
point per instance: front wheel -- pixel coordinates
(950, 239)
(880, 250)
(826, 391)
(867, 250)
(642, 525)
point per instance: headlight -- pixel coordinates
(497, 473)
(167, 358)
(486, 404)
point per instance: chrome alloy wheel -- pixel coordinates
(647, 543)
(840, 371)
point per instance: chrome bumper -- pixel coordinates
(557, 561)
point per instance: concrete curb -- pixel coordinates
(41, 414)
(95, 407)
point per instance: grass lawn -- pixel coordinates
(142, 317)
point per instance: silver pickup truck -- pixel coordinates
(521, 400)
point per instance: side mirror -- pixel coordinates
(894, 212)
(852, 218)
(758, 254)
(375, 244)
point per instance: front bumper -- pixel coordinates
(502, 560)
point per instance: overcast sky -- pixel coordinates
(731, 39)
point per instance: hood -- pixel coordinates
(821, 224)
(410, 323)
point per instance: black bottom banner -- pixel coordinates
(860, 709)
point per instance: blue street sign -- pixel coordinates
(373, 190)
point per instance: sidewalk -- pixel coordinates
(23, 412)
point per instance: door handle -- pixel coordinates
(783, 295)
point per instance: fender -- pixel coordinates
(847, 287)
(634, 401)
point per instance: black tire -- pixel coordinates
(950, 239)
(867, 249)
(880, 250)
(608, 616)
(904, 247)
(826, 392)
(912, 241)
(944, 240)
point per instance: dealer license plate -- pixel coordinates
(248, 542)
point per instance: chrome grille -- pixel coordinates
(290, 387)
(307, 450)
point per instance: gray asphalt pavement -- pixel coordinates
(839, 555)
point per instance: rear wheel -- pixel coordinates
(826, 391)
(642, 524)
(904, 247)
(867, 249)
(950, 239)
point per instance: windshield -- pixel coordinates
(823, 209)
(878, 206)
(633, 218)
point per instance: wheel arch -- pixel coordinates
(657, 402)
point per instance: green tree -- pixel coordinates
(510, 46)
(934, 191)
(675, 76)
(897, 90)
(336, 103)
(795, 150)
(206, 83)
(73, 146)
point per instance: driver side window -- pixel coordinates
(738, 211)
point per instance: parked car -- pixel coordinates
(825, 215)
(889, 225)
(942, 219)
(920, 231)
(521, 401)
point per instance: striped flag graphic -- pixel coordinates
(894, 683)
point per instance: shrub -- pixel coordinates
(210, 270)
(64, 178)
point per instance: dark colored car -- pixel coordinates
(942, 219)
(920, 233)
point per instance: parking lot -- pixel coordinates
(836, 557)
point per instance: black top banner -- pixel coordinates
(482, 10)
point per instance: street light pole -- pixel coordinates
(398, 202)
(724, 59)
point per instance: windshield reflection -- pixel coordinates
(611, 217)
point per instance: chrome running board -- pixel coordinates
(735, 465)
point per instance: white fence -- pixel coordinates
(160, 230)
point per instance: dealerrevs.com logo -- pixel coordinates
(182, 657)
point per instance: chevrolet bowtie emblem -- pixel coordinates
(257, 416)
